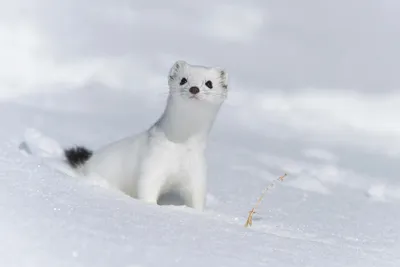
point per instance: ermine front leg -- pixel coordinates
(198, 198)
(196, 189)
(150, 182)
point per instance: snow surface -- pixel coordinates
(94, 71)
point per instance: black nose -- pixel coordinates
(194, 90)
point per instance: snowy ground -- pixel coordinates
(94, 72)
(314, 218)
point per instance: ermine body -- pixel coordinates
(169, 155)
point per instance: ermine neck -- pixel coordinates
(185, 119)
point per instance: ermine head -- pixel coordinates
(198, 83)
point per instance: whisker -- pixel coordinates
(202, 96)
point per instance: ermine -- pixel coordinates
(169, 155)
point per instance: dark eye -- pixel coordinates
(209, 84)
(183, 81)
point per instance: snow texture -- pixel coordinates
(310, 95)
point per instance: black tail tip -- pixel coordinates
(77, 155)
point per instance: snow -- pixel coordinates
(94, 71)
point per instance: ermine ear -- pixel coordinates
(223, 76)
(175, 69)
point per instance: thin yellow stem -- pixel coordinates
(249, 220)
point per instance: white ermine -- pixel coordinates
(170, 154)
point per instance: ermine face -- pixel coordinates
(198, 83)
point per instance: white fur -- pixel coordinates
(170, 154)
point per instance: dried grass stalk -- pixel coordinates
(249, 221)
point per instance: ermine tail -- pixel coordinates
(77, 156)
(50, 152)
